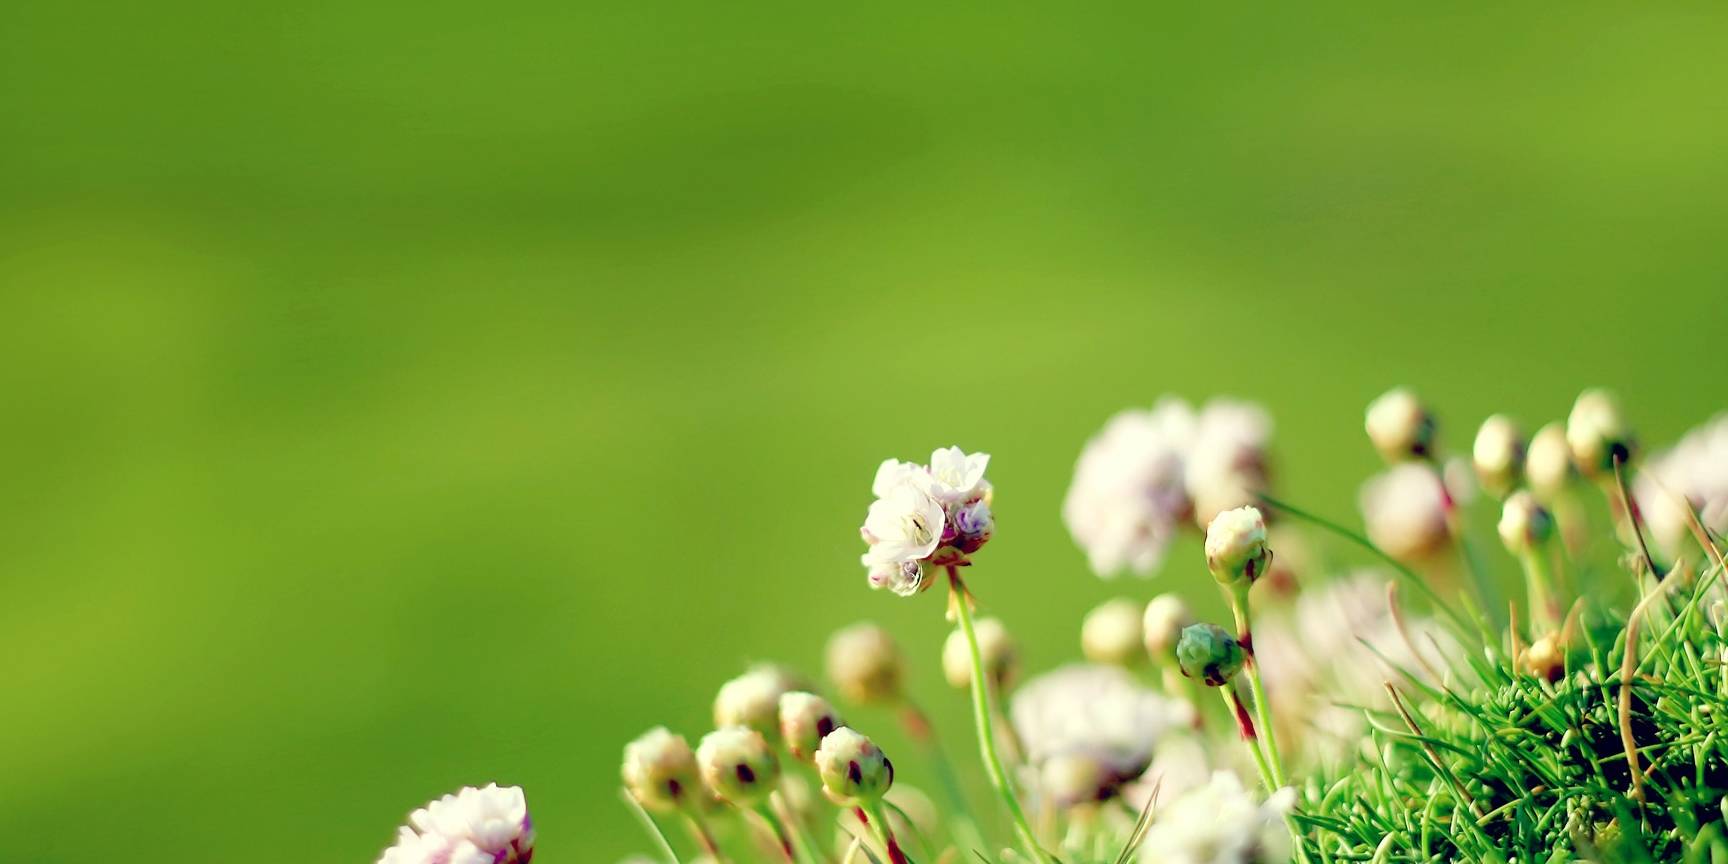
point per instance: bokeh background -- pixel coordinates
(404, 396)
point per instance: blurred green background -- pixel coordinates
(404, 396)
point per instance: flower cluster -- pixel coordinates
(473, 826)
(1148, 473)
(926, 516)
(1693, 473)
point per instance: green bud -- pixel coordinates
(1208, 652)
(659, 769)
(853, 768)
(805, 719)
(738, 765)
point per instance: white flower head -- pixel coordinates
(1220, 823)
(1128, 497)
(1404, 508)
(893, 473)
(904, 525)
(1093, 723)
(1696, 470)
(488, 825)
(1227, 462)
(956, 477)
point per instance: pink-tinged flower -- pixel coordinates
(926, 516)
(1696, 470)
(493, 819)
(1148, 474)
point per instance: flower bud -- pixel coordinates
(1597, 433)
(805, 719)
(1524, 525)
(1548, 463)
(738, 765)
(1236, 550)
(1545, 659)
(994, 645)
(659, 770)
(1208, 652)
(865, 664)
(972, 524)
(1400, 427)
(1165, 617)
(753, 700)
(852, 767)
(1111, 633)
(1498, 455)
(1404, 509)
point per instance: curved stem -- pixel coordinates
(649, 825)
(1262, 707)
(872, 813)
(919, 728)
(981, 716)
(767, 813)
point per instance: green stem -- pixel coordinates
(807, 849)
(1262, 707)
(1544, 607)
(981, 716)
(884, 833)
(767, 813)
(649, 825)
(919, 728)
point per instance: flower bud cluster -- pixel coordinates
(926, 516)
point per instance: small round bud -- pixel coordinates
(1001, 659)
(1524, 525)
(852, 767)
(1400, 427)
(1111, 633)
(1548, 463)
(1208, 652)
(1404, 509)
(659, 770)
(1597, 433)
(1545, 659)
(753, 700)
(738, 765)
(1498, 455)
(1236, 550)
(805, 719)
(865, 665)
(1165, 617)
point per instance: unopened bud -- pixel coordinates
(659, 769)
(973, 525)
(1075, 777)
(753, 700)
(805, 719)
(1400, 427)
(1111, 633)
(1165, 617)
(1209, 653)
(738, 765)
(1545, 659)
(865, 664)
(1498, 455)
(1524, 525)
(1597, 433)
(853, 768)
(1548, 463)
(996, 648)
(1236, 550)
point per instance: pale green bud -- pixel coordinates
(1524, 525)
(659, 769)
(1236, 550)
(1165, 617)
(805, 719)
(865, 664)
(738, 765)
(1001, 658)
(1111, 633)
(1498, 455)
(1400, 427)
(753, 700)
(1597, 433)
(853, 768)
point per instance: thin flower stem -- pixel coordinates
(1544, 604)
(1250, 738)
(981, 716)
(1262, 707)
(649, 825)
(872, 813)
(767, 813)
(807, 848)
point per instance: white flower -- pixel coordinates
(1100, 712)
(1147, 473)
(903, 525)
(1220, 823)
(473, 826)
(1128, 497)
(893, 473)
(1695, 469)
(1226, 463)
(954, 477)
(1405, 511)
